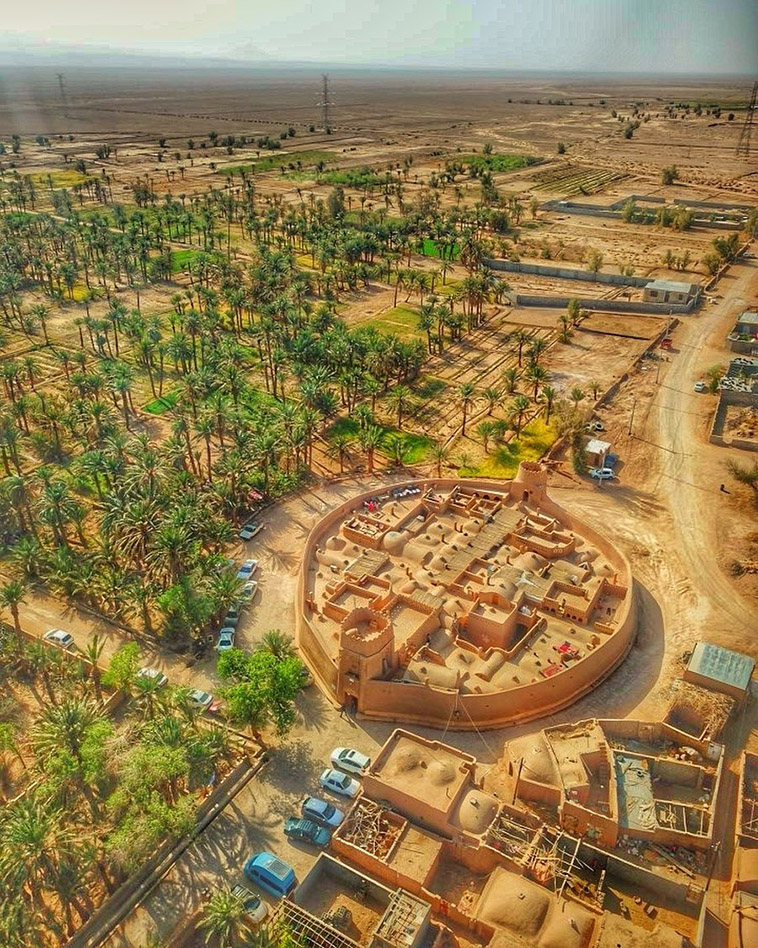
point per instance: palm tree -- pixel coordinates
(519, 339)
(224, 919)
(492, 397)
(92, 653)
(511, 376)
(549, 394)
(400, 397)
(439, 453)
(466, 393)
(485, 430)
(338, 447)
(279, 644)
(521, 404)
(11, 594)
(370, 439)
(576, 396)
(537, 375)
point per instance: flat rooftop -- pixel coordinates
(721, 665)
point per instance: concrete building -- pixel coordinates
(744, 336)
(720, 669)
(596, 452)
(462, 604)
(669, 291)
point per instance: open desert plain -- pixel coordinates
(411, 412)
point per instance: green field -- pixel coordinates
(163, 404)
(180, 259)
(430, 249)
(417, 445)
(497, 162)
(292, 160)
(60, 179)
(503, 462)
(402, 320)
(359, 178)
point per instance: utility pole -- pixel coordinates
(743, 145)
(64, 96)
(324, 103)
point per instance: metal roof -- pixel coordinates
(595, 446)
(721, 664)
(747, 317)
(669, 286)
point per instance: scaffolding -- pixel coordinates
(368, 828)
(403, 920)
(308, 931)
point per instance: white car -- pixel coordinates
(64, 640)
(247, 569)
(339, 783)
(345, 758)
(602, 473)
(249, 590)
(225, 639)
(701, 387)
(152, 674)
(201, 700)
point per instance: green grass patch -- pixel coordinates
(180, 259)
(417, 446)
(163, 404)
(503, 462)
(430, 248)
(293, 161)
(496, 162)
(402, 320)
(359, 178)
(42, 180)
(429, 387)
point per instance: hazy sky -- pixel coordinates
(694, 36)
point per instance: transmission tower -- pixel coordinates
(325, 102)
(64, 95)
(743, 145)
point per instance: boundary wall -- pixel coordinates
(429, 705)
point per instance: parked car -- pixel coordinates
(339, 783)
(247, 569)
(602, 473)
(595, 426)
(62, 639)
(345, 758)
(250, 530)
(318, 810)
(202, 700)
(232, 617)
(306, 831)
(255, 908)
(249, 590)
(152, 674)
(701, 387)
(270, 873)
(225, 639)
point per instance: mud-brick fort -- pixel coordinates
(462, 603)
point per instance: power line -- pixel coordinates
(743, 145)
(64, 94)
(325, 103)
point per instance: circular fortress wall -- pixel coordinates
(456, 604)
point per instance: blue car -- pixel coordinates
(306, 831)
(318, 810)
(270, 873)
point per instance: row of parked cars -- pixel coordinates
(228, 631)
(317, 820)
